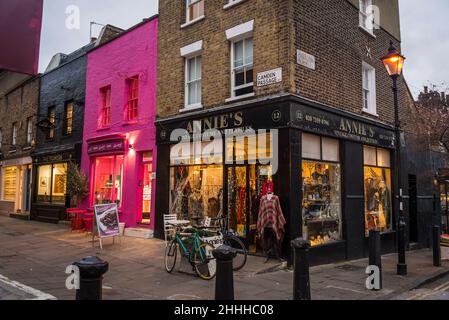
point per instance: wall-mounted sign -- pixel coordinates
(106, 146)
(269, 77)
(306, 60)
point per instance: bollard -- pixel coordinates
(224, 283)
(402, 266)
(301, 276)
(92, 270)
(436, 246)
(375, 253)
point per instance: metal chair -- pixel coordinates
(169, 230)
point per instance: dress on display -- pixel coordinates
(271, 217)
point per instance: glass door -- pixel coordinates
(147, 188)
(238, 201)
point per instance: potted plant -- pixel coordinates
(77, 184)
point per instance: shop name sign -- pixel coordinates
(219, 122)
(106, 146)
(269, 77)
(341, 127)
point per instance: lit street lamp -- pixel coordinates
(394, 63)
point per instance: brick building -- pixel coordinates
(19, 99)
(310, 73)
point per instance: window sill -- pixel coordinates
(232, 4)
(368, 32)
(192, 107)
(249, 95)
(374, 114)
(103, 129)
(27, 148)
(185, 25)
(130, 123)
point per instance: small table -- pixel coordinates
(178, 223)
(77, 222)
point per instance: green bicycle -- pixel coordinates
(200, 256)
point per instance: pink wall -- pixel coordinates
(133, 53)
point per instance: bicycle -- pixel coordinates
(200, 256)
(232, 241)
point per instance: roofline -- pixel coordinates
(145, 21)
(22, 83)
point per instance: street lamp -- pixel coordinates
(394, 63)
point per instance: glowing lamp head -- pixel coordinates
(394, 61)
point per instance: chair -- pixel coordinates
(88, 221)
(169, 230)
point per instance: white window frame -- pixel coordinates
(188, 82)
(14, 134)
(200, 17)
(232, 3)
(29, 131)
(193, 50)
(363, 15)
(1, 138)
(369, 72)
(245, 67)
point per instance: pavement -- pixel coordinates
(34, 257)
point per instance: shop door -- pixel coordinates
(27, 189)
(147, 189)
(413, 205)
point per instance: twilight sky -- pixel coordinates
(425, 34)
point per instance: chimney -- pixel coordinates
(426, 89)
(443, 97)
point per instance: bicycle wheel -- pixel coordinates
(171, 253)
(242, 253)
(204, 262)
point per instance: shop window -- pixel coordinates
(378, 200)
(147, 186)
(52, 183)
(9, 183)
(133, 98)
(197, 153)
(242, 81)
(444, 202)
(68, 119)
(249, 149)
(193, 82)
(194, 10)
(29, 131)
(105, 107)
(108, 180)
(321, 176)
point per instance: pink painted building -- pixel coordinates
(119, 148)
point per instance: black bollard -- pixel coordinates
(301, 276)
(224, 283)
(91, 270)
(402, 266)
(375, 253)
(436, 246)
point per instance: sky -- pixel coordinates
(425, 35)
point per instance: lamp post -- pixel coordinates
(394, 63)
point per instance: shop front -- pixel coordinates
(50, 199)
(15, 186)
(120, 171)
(330, 172)
(443, 184)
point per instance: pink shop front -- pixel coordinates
(121, 172)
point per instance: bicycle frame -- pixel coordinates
(196, 247)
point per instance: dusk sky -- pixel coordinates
(425, 35)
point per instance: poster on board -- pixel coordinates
(106, 217)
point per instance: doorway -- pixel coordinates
(413, 208)
(147, 188)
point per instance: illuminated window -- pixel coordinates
(105, 107)
(195, 10)
(9, 183)
(133, 99)
(378, 200)
(52, 119)
(52, 183)
(68, 119)
(108, 180)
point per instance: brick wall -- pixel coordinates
(270, 49)
(17, 106)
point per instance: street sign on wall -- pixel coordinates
(269, 77)
(20, 31)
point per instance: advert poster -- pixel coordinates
(106, 216)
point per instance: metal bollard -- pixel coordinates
(92, 270)
(224, 283)
(375, 253)
(436, 246)
(301, 277)
(402, 265)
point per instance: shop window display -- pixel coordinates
(52, 183)
(378, 200)
(9, 183)
(109, 180)
(321, 176)
(444, 201)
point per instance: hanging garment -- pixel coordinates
(268, 187)
(271, 216)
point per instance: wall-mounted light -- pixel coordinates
(131, 146)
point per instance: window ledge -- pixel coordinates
(27, 148)
(368, 32)
(185, 25)
(130, 123)
(103, 129)
(232, 3)
(370, 113)
(249, 95)
(192, 107)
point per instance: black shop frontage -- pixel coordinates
(331, 172)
